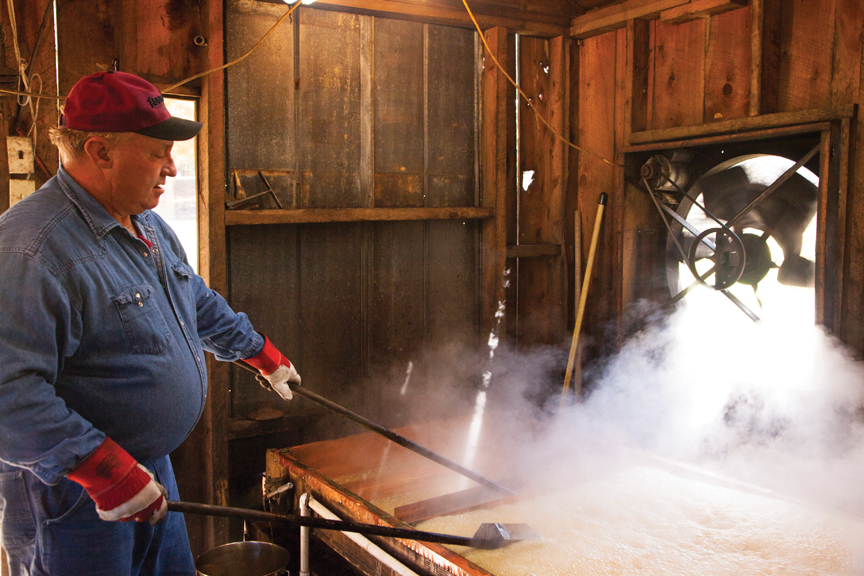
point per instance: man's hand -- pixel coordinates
(278, 380)
(276, 370)
(121, 488)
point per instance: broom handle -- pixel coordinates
(574, 344)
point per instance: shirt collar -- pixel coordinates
(94, 213)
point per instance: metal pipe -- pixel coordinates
(341, 526)
(304, 535)
(376, 552)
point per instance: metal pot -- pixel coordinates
(243, 559)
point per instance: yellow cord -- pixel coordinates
(175, 86)
(525, 96)
(294, 7)
(243, 57)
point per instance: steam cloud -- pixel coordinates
(777, 405)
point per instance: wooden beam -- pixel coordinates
(614, 17)
(699, 9)
(636, 77)
(452, 503)
(545, 27)
(772, 133)
(322, 215)
(244, 428)
(533, 250)
(201, 461)
(496, 138)
(765, 28)
(745, 124)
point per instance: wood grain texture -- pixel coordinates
(615, 17)
(399, 112)
(679, 74)
(201, 463)
(261, 119)
(450, 128)
(596, 133)
(699, 9)
(727, 67)
(319, 215)
(497, 139)
(330, 315)
(746, 124)
(329, 116)
(766, 26)
(541, 205)
(638, 52)
(157, 38)
(252, 288)
(846, 69)
(572, 247)
(533, 250)
(85, 39)
(552, 21)
(852, 329)
(807, 40)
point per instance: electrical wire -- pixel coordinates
(525, 96)
(24, 80)
(243, 57)
(288, 13)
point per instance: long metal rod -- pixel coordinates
(390, 435)
(322, 523)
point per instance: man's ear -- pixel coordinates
(99, 149)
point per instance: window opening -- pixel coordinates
(780, 239)
(178, 206)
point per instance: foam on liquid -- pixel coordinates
(645, 521)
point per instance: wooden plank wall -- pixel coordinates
(382, 114)
(793, 56)
(541, 280)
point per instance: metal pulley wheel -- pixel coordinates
(728, 256)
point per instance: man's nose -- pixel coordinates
(169, 169)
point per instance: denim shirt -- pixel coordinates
(101, 334)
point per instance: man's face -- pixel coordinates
(141, 166)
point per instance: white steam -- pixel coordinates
(775, 404)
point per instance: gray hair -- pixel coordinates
(71, 142)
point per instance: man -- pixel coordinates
(103, 330)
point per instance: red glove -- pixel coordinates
(121, 488)
(275, 368)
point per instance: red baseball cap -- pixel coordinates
(122, 102)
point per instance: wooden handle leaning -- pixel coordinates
(585, 282)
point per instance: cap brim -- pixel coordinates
(172, 129)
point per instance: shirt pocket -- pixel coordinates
(17, 525)
(143, 324)
(182, 271)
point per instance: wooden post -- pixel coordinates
(203, 458)
(765, 28)
(497, 136)
(543, 65)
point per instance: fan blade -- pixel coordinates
(727, 192)
(797, 271)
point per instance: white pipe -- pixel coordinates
(304, 536)
(376, 552)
